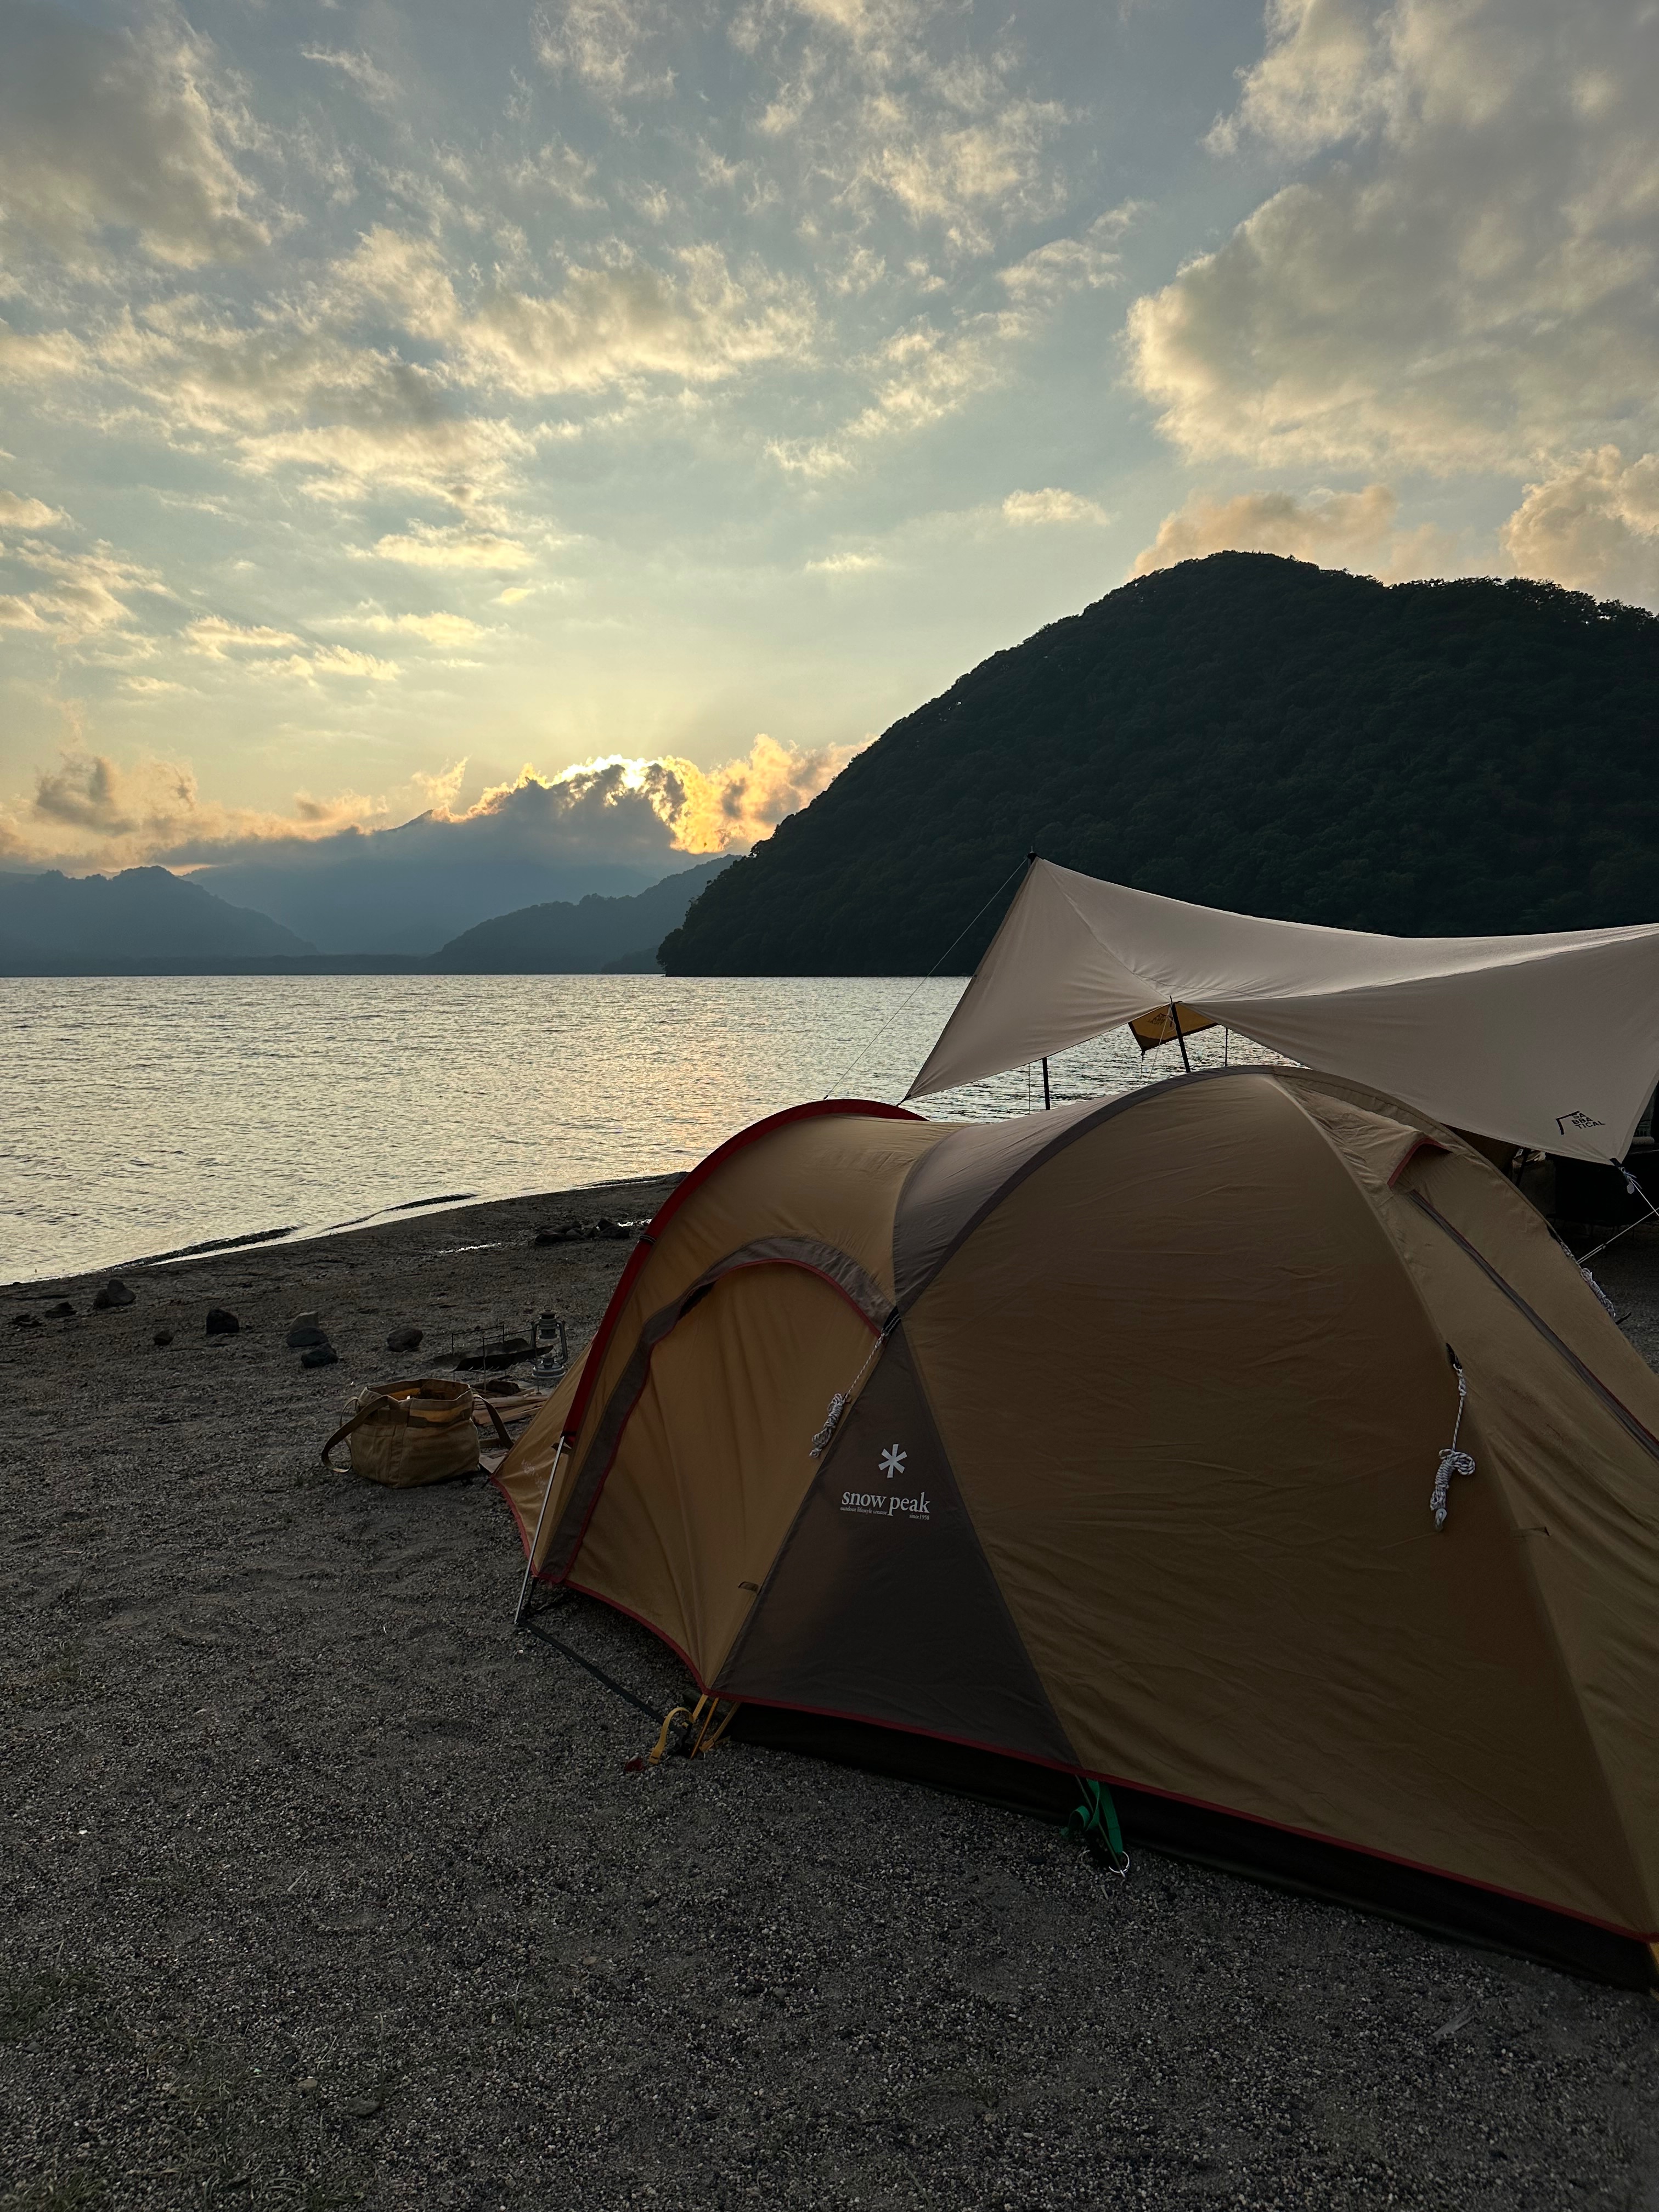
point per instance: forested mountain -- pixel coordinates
(1249, 733)
(579, 938)
(54, 923)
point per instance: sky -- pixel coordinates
(570, 417)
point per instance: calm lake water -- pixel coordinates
(139, 1114)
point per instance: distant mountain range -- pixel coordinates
(1246, 731)
(150, 921)
(595, 934)
(58, 924)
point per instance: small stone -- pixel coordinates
(61, 1311)
(319, 1355)
(304, 1329)
(405, 1339)
(26, 1320)
(163, 1336)
(220, 1322)
(568, 1231)
(114, 1293)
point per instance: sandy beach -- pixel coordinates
(325, 1888)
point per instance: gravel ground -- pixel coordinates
(323, 1888)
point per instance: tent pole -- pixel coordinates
(1175, 1018)
(530, 1556)
(1046, 1102)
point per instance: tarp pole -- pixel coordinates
(1175, 1016)
(530, 1557)
(1046, 1102)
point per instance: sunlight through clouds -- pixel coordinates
(593, 381)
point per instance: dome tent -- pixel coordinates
(1146, 1400)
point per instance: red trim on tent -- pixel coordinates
(869, 1108)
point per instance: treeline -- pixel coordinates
(1249, 733)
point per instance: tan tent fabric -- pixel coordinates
(1146, 1402)
(1548, 1041)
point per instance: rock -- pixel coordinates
(163, 1336)
(320, 1355)
(405, 1339)
(221, 1323)
(61, 1311)
(610, 1232)
(304, 1329)
(570, 1231)
(114, 1293)
(26, 1320)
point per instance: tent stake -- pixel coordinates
(1175, 1016)
(1046, 1102)
(530, 1557)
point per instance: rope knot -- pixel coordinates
(1452, 1462)
(837, 1407)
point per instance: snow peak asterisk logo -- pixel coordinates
(888, 1505)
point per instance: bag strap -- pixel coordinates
(342, 1433)
(479, 1398)
(363, 1412)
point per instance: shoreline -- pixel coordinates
(299, 1234)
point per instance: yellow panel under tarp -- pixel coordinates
(1159, 1027)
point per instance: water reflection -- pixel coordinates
(144, 1114)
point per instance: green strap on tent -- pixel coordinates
(1096, 1818)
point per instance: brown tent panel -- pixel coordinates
(1145, 1402)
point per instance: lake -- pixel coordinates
(142, 1113)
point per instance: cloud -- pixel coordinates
(715, 810)
(1024, 508)
(616, 811)
(216, 638)
(18, 511)
(604, 326)
(280, 653)
(1071, 264)
(1593, 526)
(598, 42)
(1469, 275)
(1340, 530)
(371, 80)
(440, 628)
(86, 594)
(845, 564)
(120, 129)
(39, 357)
(927, 376)
(89, 812)
(354, 419)
(424, 546)
(883, 123)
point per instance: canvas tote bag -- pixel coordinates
(404, 1434)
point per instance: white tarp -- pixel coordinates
(1550, 1041)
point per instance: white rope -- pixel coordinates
(1452, 1462)
(842, 1400)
